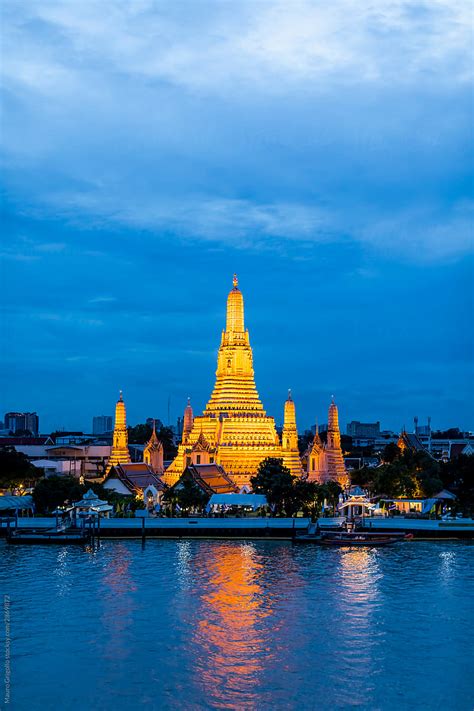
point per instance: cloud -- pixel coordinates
(244, 125)
(221, 47)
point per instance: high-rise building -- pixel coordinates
(119, 453)
(22, 422)
(234, 430)
(363, 429)
(102, 424)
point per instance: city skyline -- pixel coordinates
(311, 162)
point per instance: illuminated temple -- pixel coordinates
(119, 453)
(234, 430)
(324, 462)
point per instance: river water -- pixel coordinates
(237, 625)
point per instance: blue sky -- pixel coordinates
(323, 151)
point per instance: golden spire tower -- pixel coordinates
(335, 467)
(234, 425)
(188, 420)
(289, 437)
(119, 453)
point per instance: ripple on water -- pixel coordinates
(234, 625)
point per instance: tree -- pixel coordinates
(55, 491)
(16, 469)
(457, 475)
(304, 497)
(186, 494)
(304, 440)
(166, 437)
(274, 481)
(391, 452)
(333, 492)
(139, 434)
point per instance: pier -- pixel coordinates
(254, 528)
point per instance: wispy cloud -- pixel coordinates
(213, 46)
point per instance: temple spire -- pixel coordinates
(188, 420)
(289, 433)
(235, 310)
(119, 453)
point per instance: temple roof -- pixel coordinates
(211, 478)
(136, 476)
(153, 443)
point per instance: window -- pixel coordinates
(198, 459)
(211, 460)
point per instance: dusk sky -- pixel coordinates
(323, 151)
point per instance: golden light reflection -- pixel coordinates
(117, 601)
(228, 636)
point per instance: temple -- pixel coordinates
(153, 453)
(234, 430)
(119, 453)
(325, 462)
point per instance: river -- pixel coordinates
(196, 624)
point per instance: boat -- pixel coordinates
(350, 538)
(357, 539)
(51, 535)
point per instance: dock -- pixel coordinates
(255, 528)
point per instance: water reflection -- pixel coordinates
(62, 573)
(448, 566)
(357, 629)
(228, 640)
(117, 598)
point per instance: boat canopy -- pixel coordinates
(16, 502)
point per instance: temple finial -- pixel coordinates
(289, 394)
(121, 395)
(235, 281)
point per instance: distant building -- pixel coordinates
(319, 428)
(101, 424)
(22, 421)
(87, 460)
(363, 429)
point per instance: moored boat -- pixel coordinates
(357, 539)
(31, 535)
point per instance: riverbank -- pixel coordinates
(255, 528)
